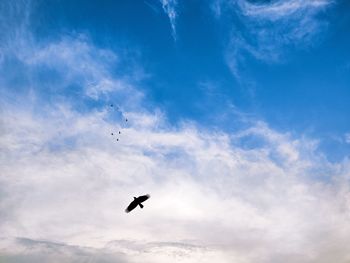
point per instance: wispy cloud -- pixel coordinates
(76, 70)
(275, 10)
(347, 137)
(153, 7)
(29, 250)
(267, 30)
(169, 7)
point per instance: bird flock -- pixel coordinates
(126, 120)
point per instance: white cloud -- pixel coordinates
(64, 179)
(266, 30)
(169, 7)
(75, 60)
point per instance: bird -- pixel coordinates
(137, 201)
(112, 133)
(119, 132)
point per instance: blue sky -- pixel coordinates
(301, 83)
(245, 103)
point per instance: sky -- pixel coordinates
(238, 127)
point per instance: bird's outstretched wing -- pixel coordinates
(143, 198)
(132, 205)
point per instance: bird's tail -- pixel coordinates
(141, 205)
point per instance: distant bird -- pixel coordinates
(119, 132)
(137, 201)
(126, 119)
(112, 133)
(117, 140)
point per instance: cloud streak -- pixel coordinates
(276, 10)
(29, 250)
(267, 30)
(169, 7)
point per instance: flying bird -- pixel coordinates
(137, 201)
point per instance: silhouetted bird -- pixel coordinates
(117, 140)
(119, 132)
(137, 201)
(112, 133)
